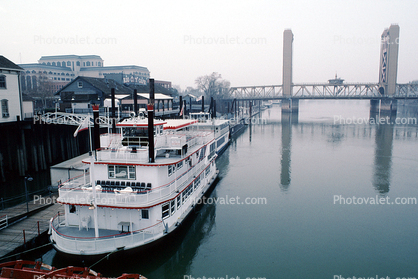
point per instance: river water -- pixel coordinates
(308, 198)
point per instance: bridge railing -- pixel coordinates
(321, 91)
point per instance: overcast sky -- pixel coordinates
(242, 40)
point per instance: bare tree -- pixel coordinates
(213, 85)
(40, 88)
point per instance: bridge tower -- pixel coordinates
(388, 70)
(288, 105)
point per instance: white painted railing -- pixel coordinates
(103, 244)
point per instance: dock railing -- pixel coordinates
(4, 222)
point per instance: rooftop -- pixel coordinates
(70, 56)
(7, 64)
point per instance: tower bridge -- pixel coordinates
(382, 95)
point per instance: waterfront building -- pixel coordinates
(10, 92)
(59, 70)
(80, 94)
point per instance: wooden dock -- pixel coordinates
(23, 227)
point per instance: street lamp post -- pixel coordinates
(27, 178)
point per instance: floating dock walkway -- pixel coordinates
(20, 227)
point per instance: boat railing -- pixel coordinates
(103, 242)
(140, 154)
(78, 192)
(124, 155)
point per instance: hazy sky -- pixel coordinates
(242, 40)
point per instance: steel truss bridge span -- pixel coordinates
(323, 91)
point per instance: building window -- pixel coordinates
(34, 83)
(53, 63)
(68, 63)
(59, 64)
(78, 63)
(121, 172)
(3, 82)
(80, 84)
(145, 214)
(5, 108)
(88, 63)
(100, 64)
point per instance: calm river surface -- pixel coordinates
(307, 195)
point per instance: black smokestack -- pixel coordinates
(214, 108)
(96, 128)
(150, 109)
(112, 93)
(135, 102)
(203, 103)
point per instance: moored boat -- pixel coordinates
(220, 127)
(139, 188)
(21, 269)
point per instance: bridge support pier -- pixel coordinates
(383, 105)
(390, 105)
(290, 105)
(290, 110)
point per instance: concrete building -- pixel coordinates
(389, 60)
(10, 92)
(61, 69)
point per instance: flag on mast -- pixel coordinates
(83, 126)
(181, 112)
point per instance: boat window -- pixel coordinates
(178, 201)
(121, 172)
(165, 210)
(202, 153)
(197, 182)
(212, 151)
(170, 170)
(207, 171)
(73, 209)
(180, 165)
(145, 214)
(173, 206)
